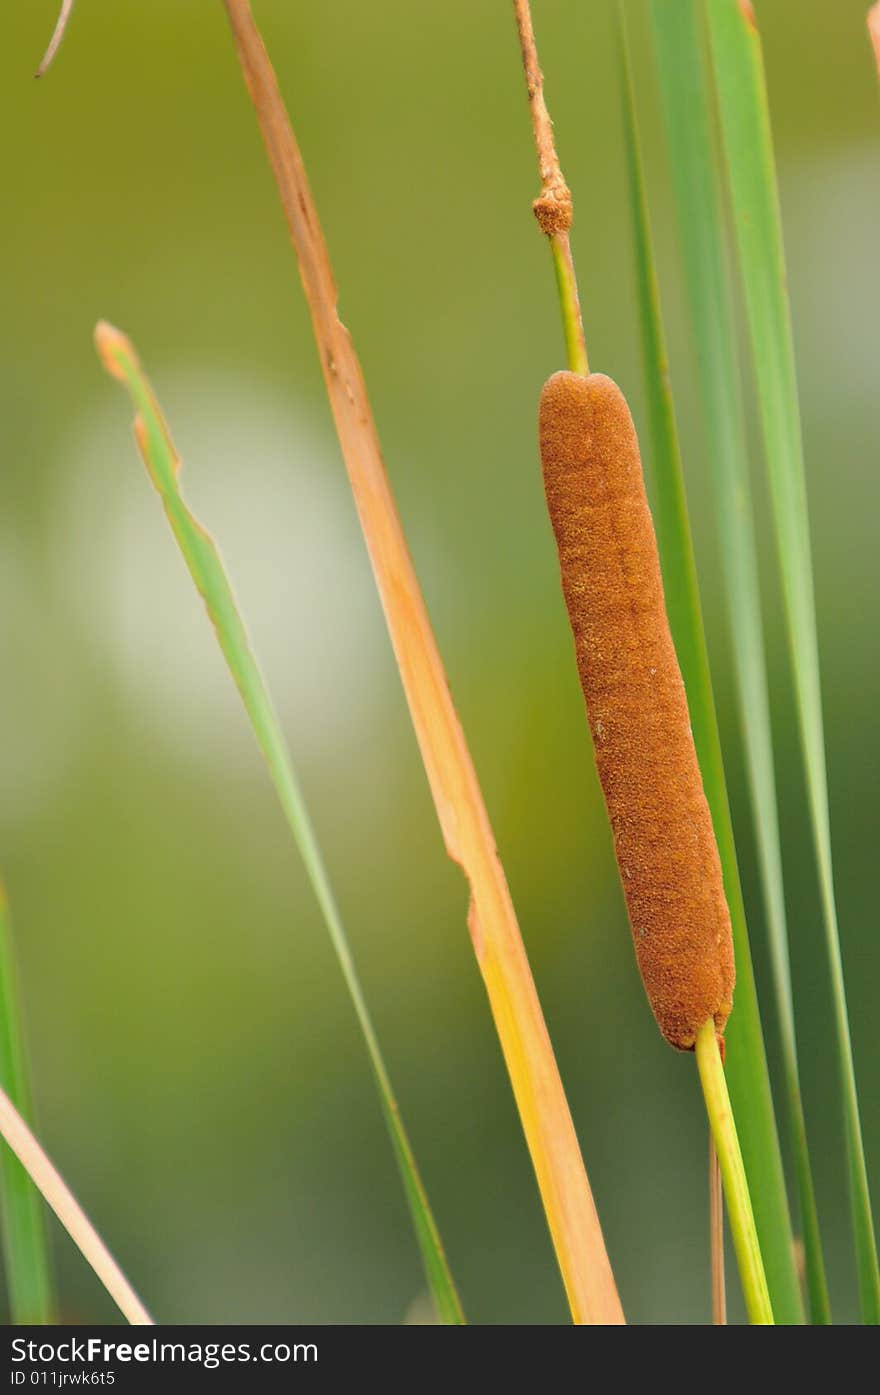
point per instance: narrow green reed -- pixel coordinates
(746, 1063)
(25, 1243)
(751, 168)
(697, 191)
(207, 570)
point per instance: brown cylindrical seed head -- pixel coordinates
(636, 705)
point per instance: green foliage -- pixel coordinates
(751, 168)
(209, 574)
(746, 1060)
(25, 1245)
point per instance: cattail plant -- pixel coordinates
(663, 837)
(663, 833)
(633, 605)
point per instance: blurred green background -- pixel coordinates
(198, 1074)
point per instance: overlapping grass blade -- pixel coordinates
(745, 124)
(697, 196)
(747, 1065)
(209, 575)
(25, 1244)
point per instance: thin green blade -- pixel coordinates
(25, 1245)
(697, 197)
(686, 622)
(747, 1065)
(209, 575)
(748, 145)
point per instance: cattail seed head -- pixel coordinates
(663, 836)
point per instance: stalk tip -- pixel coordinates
(111, 343)
(874, 32)
(57, 36)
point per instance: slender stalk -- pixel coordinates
(57, 35)
(716, 1238)
(546, 1120)
(553, 206)
(733, 1175)
(569, 304)
(209, 574)
(69, 1212)
(552, 179)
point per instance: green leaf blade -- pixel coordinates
(697, 197)
(755, 1120)
(25, 1243)
(210, 577)
(751, 167)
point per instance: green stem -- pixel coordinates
(733, 1176)
(569, 304)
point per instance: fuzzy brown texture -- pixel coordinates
(554, 211)
(636, 705)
